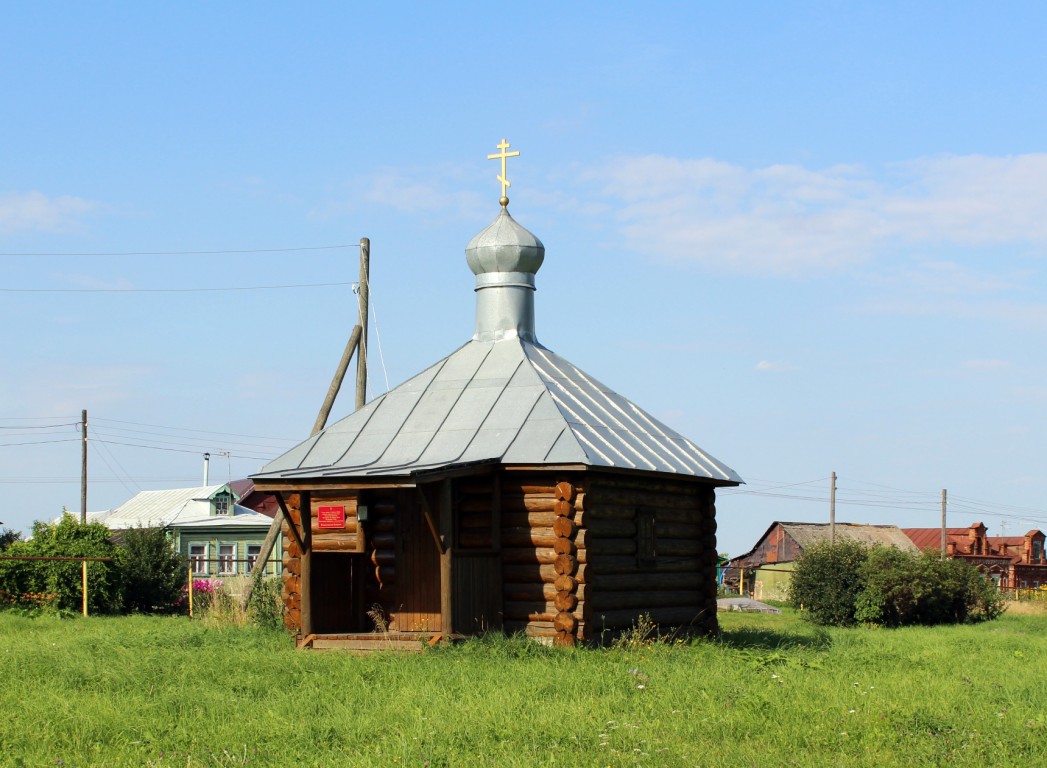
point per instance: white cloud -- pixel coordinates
(787, 219)
(35, 210)
(766, 366)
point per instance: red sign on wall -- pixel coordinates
(331, 517)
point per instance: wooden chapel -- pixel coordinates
(501, 489)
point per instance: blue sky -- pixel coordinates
(809, 236)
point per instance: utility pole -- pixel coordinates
(361, 353)
(832, 510)
(83, 467)
(358, 344)
(944, 496)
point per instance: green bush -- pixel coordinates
(153, 574)
(846, 583)
(62, 578)
(827, 582)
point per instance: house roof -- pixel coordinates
(500, 398)
(808, 534)
(179, 507)
(931, 538)
(510, 401)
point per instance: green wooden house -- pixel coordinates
(218, 536)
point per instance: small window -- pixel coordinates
(226, 558)
(221, 505)
(253, 551)
(198, 559)
(646, 553)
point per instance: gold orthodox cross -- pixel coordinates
(502, 177)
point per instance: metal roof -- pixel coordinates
(509, 401)
(182, 507)
(501, 397)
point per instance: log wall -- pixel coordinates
(543, 555)
(651, 545)
(565, 557)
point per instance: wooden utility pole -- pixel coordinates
(357, 343)
(832, 510)
(361, 357)
(944, 495)
(83, 467)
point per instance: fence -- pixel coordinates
(83, 568)
(1035, 594)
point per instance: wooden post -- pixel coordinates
(190, 590)
(943, 523)
(832, 510)
(83, 579)
(83, 467)
(357, 342)
(336, 382)
(305, 513)
(361, 357)
(447, 559)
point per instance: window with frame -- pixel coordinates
(221, 505)
(198, 559)
(253, 551)
(226, 558)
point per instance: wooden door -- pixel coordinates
(418, 568)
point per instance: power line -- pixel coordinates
(41, 442)
(97, 419)
(172, 290)
(43, 426)
(194, 253)
(176, 450)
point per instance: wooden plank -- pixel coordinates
(447, 557)
(295, 534)
(320, 483)
(305, 583)
(427, 512)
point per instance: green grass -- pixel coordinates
(144, 691)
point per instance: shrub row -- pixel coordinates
(846, 583)
(145, 574)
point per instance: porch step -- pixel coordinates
(411, 642)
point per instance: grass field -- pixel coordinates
(143, 691)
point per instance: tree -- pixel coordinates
(153, 574)
(9, 537)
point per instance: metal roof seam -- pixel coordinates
(554, 443)
(551, 382)
(457, 399)
(709, 469)
(596, 386)
(487, 415)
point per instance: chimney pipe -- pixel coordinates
(207, 461)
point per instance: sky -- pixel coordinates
(809, 236)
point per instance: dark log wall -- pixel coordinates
(565, 557)
(477, 599)
(651, 546)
